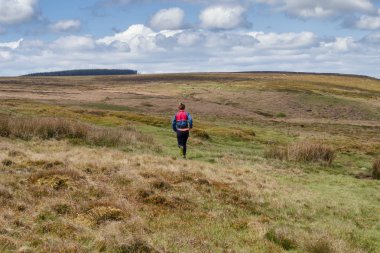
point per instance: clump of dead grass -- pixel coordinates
(27, 128)
(376, 169)
(137, 245)
(99, 214)
(200, 133)
(327, 244)
(283, 237)
(277, 152)
(5, 193)
(45, 127)
(7, 244)
(306, 151)
(56, 179)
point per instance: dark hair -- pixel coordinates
(181, 106)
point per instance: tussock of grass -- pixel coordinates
(282, 237)
(306, 151)
(277, 152)
(7, 162)
(327, 244)
(5, 193)
(56, 179)
(100, 214)
(7, 244)
(376, 169)
(200, 133)
(311, 152)
(27, 128)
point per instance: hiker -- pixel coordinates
(182, 123)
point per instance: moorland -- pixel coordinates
(278, 162)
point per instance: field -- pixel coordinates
(277, 163)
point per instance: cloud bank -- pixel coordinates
(150, 51)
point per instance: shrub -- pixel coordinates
(376, 169)
(305, 151)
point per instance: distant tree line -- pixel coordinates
(87, 72)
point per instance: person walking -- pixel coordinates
(182, 123)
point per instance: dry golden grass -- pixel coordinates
(376, 169)
(45, 128)
(311, 152)
(74, 199)
(27, 128)
(305, 151)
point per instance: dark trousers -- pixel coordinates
(182, 137)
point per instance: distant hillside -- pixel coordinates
(87, 72)
(306, 73)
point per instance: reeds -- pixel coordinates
(306, 151)
(27, 128)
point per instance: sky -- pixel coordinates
(165, 36)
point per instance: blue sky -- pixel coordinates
(190, 35)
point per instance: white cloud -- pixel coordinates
(75, 43)
(7, 48)
(368, 22)
(189, 39)
(66, 25)
(321, 8)
(285, 40)
(223, 17)
(12, 11)
(139, 38)
(11, 45)
(340, 44)
(167, 19)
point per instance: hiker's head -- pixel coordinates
(181, 106)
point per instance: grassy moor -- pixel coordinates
(277, 162)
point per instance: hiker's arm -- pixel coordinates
(174, 124)
(190, 120)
